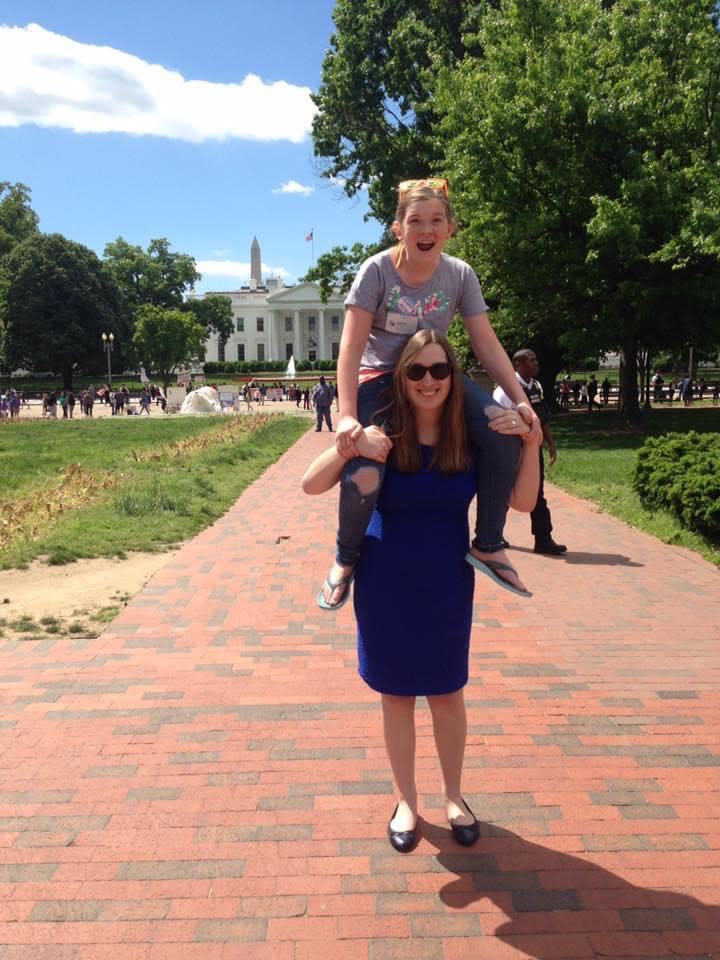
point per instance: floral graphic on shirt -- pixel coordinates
(434, 302)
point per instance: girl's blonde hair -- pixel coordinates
(450, 455)
(410, 196)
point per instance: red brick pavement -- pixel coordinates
(207, 780)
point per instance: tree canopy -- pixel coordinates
(376, 109)
(155, 276)
(167, 340)
(18, 221)
(584, 172)
(215, 313)
(59, 302)
(580, 138)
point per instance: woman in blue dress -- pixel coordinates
(413, 589)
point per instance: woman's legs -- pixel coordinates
(359, 488)
(450, 731)
(496, 460)
(399, 730)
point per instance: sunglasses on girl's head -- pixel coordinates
(438, 371)
(434, 183)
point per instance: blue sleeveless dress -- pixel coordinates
(413, 590)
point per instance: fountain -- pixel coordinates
(290, 371)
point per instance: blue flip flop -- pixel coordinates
(490, 568)
(333, 585)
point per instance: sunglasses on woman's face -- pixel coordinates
(438, 371)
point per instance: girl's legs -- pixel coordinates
(496, 460)
(359, 488)
(399, 730)
(450, 731)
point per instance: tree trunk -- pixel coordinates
(552, 361)
(628, 405)
(648, 406)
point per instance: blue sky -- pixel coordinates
(136, 119)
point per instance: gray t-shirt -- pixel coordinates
(399, 311)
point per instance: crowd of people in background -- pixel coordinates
(570, 393)
(65, 404)
(255, 391)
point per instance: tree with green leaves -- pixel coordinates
(167, 340)
(336, 269)
(582, 149)
(18, 221)
(155, 276)
(59, 302)
(376, 106)
(215, 313)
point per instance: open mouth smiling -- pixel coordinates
(426, 245)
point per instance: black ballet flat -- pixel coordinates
(403, 840)
(466, 835)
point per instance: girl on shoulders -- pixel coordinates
(415, 286)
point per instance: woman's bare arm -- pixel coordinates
(527, 479)
(326, 469)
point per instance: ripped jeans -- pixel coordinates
(495, 456)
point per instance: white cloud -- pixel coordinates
(236, 269)
(52, 81)
(292, 186)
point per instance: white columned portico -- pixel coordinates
(272, 335)
(296, 335)
(321, 334)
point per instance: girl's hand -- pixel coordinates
(348, 432)
(374, 444)
(510, 422)
(532, 419)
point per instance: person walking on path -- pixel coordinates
(410, 287)
(322, 398)
(413, 589)
(592, 390)
(527, 367)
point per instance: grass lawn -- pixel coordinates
(106, 487)
(596, 456)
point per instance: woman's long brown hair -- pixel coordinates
(450, 455)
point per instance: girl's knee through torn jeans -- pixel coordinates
(495, 456)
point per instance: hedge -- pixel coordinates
(680, 472)
(212, 367)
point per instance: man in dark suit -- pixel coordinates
(527, 367)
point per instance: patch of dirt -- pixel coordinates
(77, 599)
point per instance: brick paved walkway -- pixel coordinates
(207, 780)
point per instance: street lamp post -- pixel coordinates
(108, 339)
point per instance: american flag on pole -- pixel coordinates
(309, 236)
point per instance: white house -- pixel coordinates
(275, 322)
